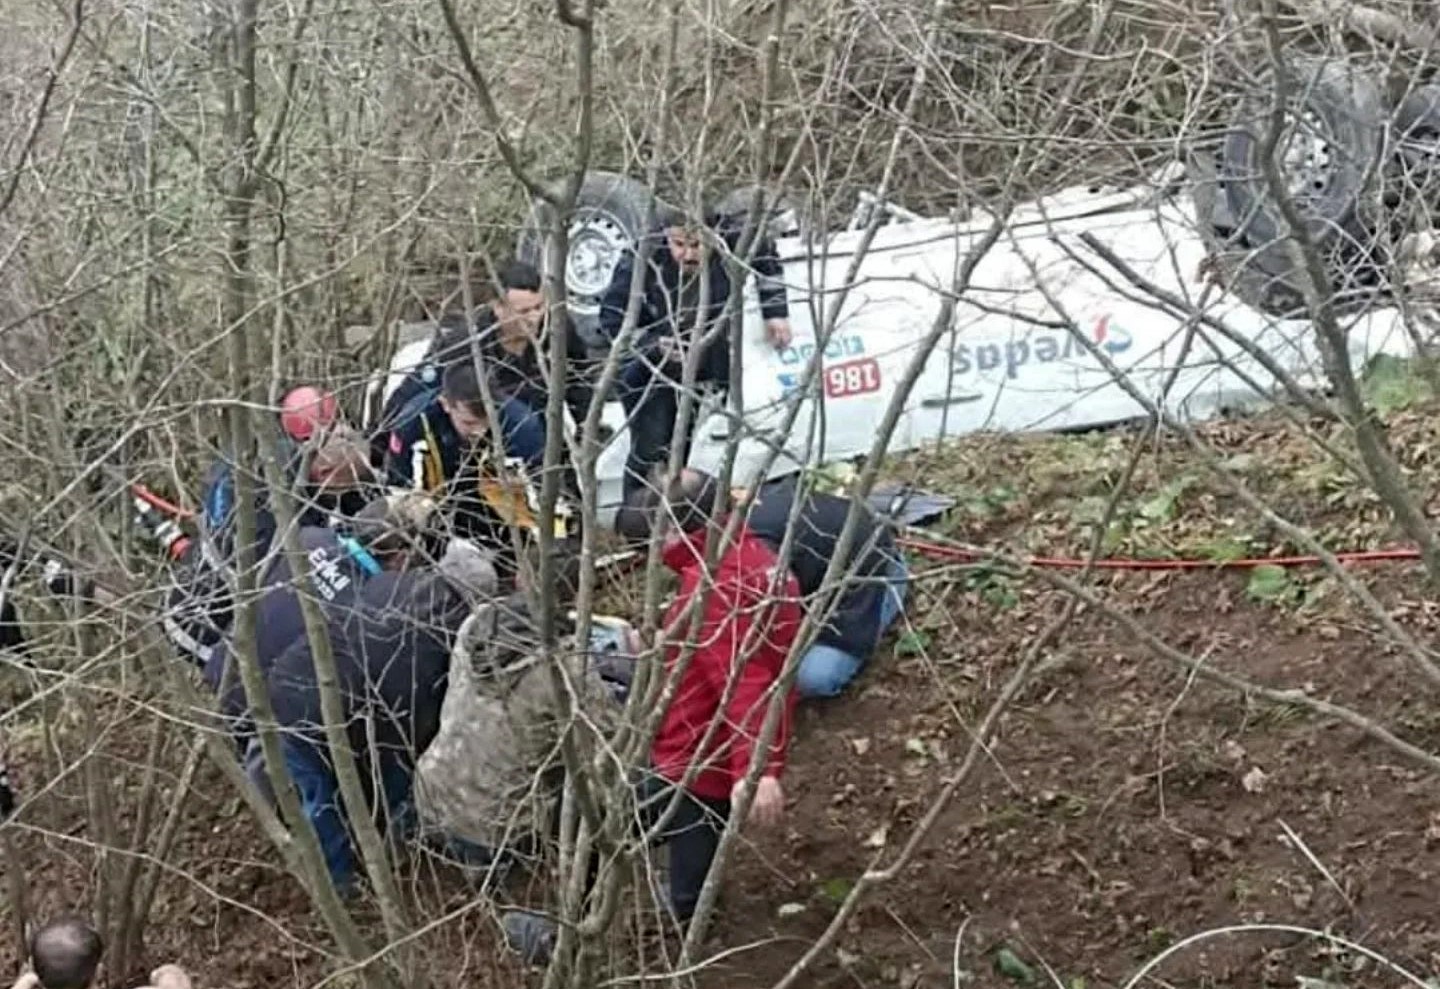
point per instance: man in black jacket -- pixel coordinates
(875, 575)
(392, 656)
(511, 334)
(384, 537)
(678, 268)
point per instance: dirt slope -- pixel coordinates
(1121, 809)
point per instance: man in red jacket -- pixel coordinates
(749, 622)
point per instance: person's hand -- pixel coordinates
(777, 331)
(768, 807)
(669, 350)
(170, 977)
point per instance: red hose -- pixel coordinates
(955, 554)
(169, 508)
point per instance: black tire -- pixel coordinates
(1413, 177)
(784, 216)
(1260, 277)
(1336, 109)
(1416, 126)
(608, 219)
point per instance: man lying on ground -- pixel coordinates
(392, 653)
(875, 575)
(490, 779)
(750, 617)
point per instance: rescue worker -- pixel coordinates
(386, 536)
(486, 501)
(430, 430)
(307, 415)
(199, 605)
(677, 265)
(428, 444)
(392, 652)
(875, 574)
(502, 723)
(749, 621)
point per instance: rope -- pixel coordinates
(956, 554)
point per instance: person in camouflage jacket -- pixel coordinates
(488, 781)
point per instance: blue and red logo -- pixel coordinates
(1042, 347)
(1010, 358)
(1114, 339)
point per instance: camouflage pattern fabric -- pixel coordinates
(490, 774)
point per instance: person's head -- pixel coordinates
(340, 461)
(397, 529)
(565, 563)
(520, 305)
(682, 238)
(65, 953)
(469, 570)
(463, 401)
(306, 411)
(445, 585)
(682, 508)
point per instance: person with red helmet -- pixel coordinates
(309, 420)
(306, 410)
(198, 607)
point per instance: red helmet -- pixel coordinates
(305, 409)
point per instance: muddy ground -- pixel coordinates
(1123, 807)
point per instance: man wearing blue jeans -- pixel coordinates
(826, 669)
(874, 577)
(309, 765)
(391, 654)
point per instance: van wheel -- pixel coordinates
(1249, 273)
(607, 221)
(1334, 129)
